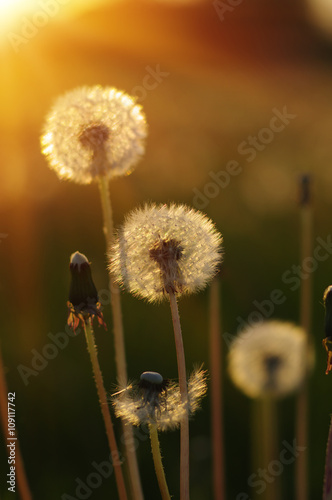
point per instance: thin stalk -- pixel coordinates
(269, 444)
(90, 340)
(301, 465)
(256, 452)
(119, 344)
(22, 482)
(327, 489)
(158, 465)
(216, 393)
(184, 429)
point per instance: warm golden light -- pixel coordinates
(321, 12)
(10, 10)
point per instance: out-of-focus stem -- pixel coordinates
(22, 482)
(216, 393)
(301, 465)
(119, 344)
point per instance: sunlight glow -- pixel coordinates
(12, 8)
(321, 12)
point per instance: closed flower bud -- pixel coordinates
(165, 248)
(94, 131)
(83, 297)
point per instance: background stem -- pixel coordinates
(22, 482)
(119, 344)
(301, 465)
(216, 393)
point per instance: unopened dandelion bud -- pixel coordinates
(83, 296)
(92, 132)
(327, 341)
(83, 292)
(305, 190)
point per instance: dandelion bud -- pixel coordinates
(327, 341)
(94, 131)
(83, 297)
(157, 401)
(162, 249)
(269, 359)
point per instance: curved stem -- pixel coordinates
(90, 340)
(119, 344)
(22, 482)
(184, 430)
(158, 465)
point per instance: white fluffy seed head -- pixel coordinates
(93, 131)
(164, 247)
(269, 359)
(164, 409)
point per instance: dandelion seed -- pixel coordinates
(157, 401)
(163, 249)
(92, 132)
(269, 359)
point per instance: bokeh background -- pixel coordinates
(222, 77)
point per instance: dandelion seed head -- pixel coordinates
(162, 248)
(93, 131)
(269, 359)
(157, 401)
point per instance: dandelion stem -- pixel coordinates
(155, 447)
(184, 431)
(305, 321)
(327, 490)
(92, 349)
(22, 482)
(119, 344)
(269, 440)
(216, 393)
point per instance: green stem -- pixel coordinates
(22, 482)
(158, 465)
(119, 344)
(90, 340)
(184, 430)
